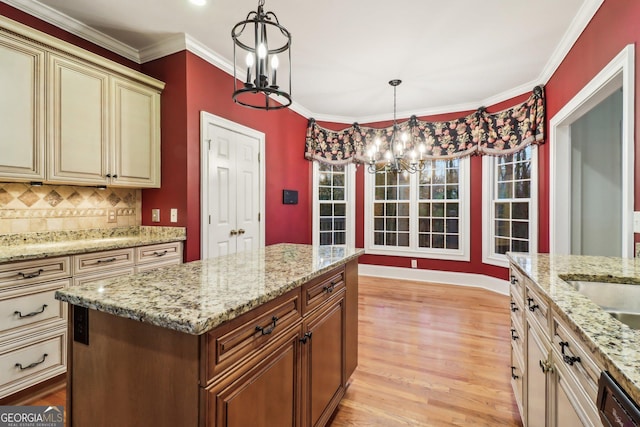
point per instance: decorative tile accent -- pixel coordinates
(26, 208)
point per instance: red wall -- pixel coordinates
(614, 26)
(194, 85)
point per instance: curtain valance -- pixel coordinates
(483, 133)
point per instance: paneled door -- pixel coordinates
(233, 190)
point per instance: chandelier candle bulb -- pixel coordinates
(274, 67)
(250, 62)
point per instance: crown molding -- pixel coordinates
(165, 47)
(579, 23)
(75, 27)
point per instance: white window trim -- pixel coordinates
(488, 220)
(463, 252)
(350, 198)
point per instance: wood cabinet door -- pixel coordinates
(21, 111)
(265, 394)
(536, 395)
(324, 362)
(77, 122)
(135, 134)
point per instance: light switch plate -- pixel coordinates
(174, 215)
(112, 216)
(636, 222)
(155, 215)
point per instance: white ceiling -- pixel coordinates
(452, 55)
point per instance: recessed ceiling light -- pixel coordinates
(199, 2)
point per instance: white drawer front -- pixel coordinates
(80, 280)
(27, 272)
(36, 367)
(169, 252)
(156, 265)
(34, 307)
(100, 261)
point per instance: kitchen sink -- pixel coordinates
(620, 300)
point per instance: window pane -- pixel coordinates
(438, 210)
(437, 241)
(452, 176)
(520, 246)
(379, 193)
(505, 172)
(325, 209)
(392, 193)
(340, 238)
(378, 238)
(503, 228)
(391, 239)
(452, 210)
(338, 180)
(332, 208)
(424, 209)
(502, 246)
(340, 209)
(521, 210)
(325, 238)
(520, 230)
(338, 194)
(423, 241)
(403, 224)
(403, 209)
(452, 241)
(325, 224)
(403, 239)
(378, 224)
(424, 225)
(505, 190)
(452, 226)
(523, 190)
(437, 192)
(378, 209)
(391, 224)
(438, 225)
(324, 193)
(503, 210)
(424, 192)
(339, 224)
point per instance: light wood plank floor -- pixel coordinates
(429, 355)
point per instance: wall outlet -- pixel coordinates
(112, 216)
(414, 263)
(155, 215)
(636, 222)
(174, 215)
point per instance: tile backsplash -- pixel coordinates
(28, 208)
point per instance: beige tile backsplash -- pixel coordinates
(27, 208)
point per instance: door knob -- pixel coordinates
(233, 232)
(240, 231)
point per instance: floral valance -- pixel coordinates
(483, 133)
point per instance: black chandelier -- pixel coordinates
(398, 152)
(262, 41)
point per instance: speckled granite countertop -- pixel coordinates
(615, 345)
(26, 246)
(197, 296)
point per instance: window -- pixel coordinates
(334, 207)
(423, 214)
(510, 205)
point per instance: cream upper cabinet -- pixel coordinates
(135, 133)
(78, 129)
(21, 111)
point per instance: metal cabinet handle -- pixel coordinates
(513, 279)
(233, 232)
(513, 374)
(108, 175)
(107, 260)
(546, 366)
(31, 275)
(513, 307)
(569, 360)
(267, 331)
(513, 334)
(163, 253)
(329, 289)
(532, 307)
(33, 313)
(306, 337)
(33, 365)
(241, 231)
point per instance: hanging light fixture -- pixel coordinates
(399, 152)
(262, 47)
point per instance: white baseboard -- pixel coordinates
(445, 277)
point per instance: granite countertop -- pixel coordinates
(615, 345)
(197, 296)
(28, 246)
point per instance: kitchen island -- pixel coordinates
(260, 338)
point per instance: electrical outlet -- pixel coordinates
(112, 216)
(636, 222)
(174, 215)
(155, 215)
(414, 263)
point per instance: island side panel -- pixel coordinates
(351, 308)
(132, 373)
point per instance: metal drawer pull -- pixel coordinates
(329, 289)
(100, 261)
(306, 337)
(31, 275)
(513, 375)
(532, 307)
(513, 307)
(513, 280)
(163, 253)
(513, 335)
(33, 365)
(545, 366)
(33, 313)
(267, 331)
(569, 360)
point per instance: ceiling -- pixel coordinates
(452, 55)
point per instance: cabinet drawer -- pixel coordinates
(516, 281)
(319, 290)
(28, 272)
(168, 252)
(247, 334)
(517, 310)
(31, 308)
(156, 265)
(101, 275)
(517, 337)
(577, 359)
(537, 310)
(100, 261)
(32, 361)
(517, 377)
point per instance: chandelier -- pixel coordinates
(397, 152)
(264, 50)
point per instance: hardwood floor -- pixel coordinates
(429, 355)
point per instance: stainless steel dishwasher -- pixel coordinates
(614, 405)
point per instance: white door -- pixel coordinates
(232, 190)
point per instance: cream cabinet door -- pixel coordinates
(78, 129)
(135, 134)
(21, 111)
